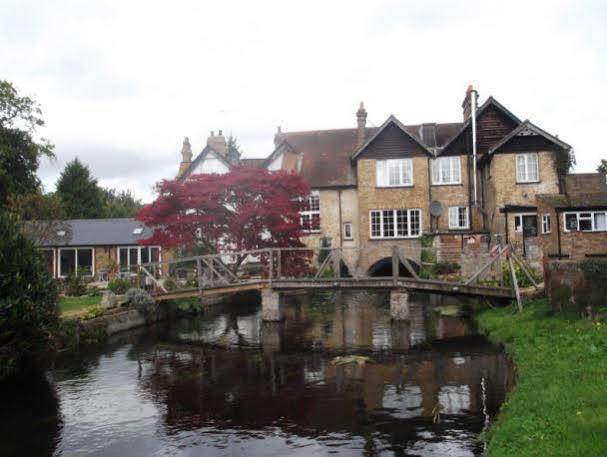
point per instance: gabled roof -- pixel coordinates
(283, 146)
(205, 152)
(391, 120)
(527, 128)
(481, 109)
(95, 232)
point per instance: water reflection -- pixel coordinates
(227, 384)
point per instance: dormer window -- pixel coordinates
(527, 167)
(394, 173)
(137, 230)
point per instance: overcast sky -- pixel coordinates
(121, 83)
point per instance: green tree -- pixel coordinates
(120, 203)
(79, 192)
(20, 148)
(602, 168)
(28, 301)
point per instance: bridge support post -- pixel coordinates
(270, 305)
(399, 304)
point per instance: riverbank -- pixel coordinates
(559, 404)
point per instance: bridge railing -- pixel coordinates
(277, 264)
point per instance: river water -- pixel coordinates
(337, 377)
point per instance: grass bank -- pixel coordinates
(75, 306)
(559, 404)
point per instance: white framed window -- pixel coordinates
(458, 217)
(76, 261)
(519, 218)
(394, 172)
(347, 230)
(131, 256)
(527, 167)
(310, 218)
(446, 170)
(395, 223)
(585, 221)
(546, 223)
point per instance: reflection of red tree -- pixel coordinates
(244, 209)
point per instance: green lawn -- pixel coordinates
(559, 404)
(70, 306)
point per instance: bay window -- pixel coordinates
(394, 172)
(446, 170)
(395, 223)
(586, 221)
(310, 218)
(76, 261)
(458, 217)
(527, 167)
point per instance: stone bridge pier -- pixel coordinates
(399, 304)
(271, 309)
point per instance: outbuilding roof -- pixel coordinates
(577, 201)
(94, 232)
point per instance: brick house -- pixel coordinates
(97, 249)
(573, 225)
(378, 187)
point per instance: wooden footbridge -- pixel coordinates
(284, 269)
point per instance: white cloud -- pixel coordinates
(136, 77)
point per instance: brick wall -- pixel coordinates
(502, 189)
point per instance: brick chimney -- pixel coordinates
(218, 142)
(361, 121)
(277, 136)
(186, 157)
(467, 105)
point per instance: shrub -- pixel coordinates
(93, 312)
(28, 301)
(141, 300)
(521, 277)
(93, 291)
(190, 305)
(170, 285)
(443, 267)
(119, 285)
(74, 286)
(191, 284)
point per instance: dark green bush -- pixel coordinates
(119, 285)
(170, 284)
(74, 286)
(28, 301)
(190, 305)
(443, 268)
(93, 291)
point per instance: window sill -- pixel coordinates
(447, 184)
(528, 182)
(396, 238)
(394, 187)
(459, 229)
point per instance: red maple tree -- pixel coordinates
(244, 209)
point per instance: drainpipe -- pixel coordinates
(473, 115)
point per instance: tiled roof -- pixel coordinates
(327, 153)
(96, 232)
(593, 200)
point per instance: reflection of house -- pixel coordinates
(373, 187)
(97, 248)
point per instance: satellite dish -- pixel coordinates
(435, 208)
